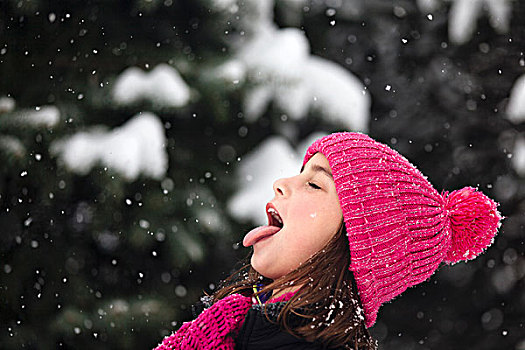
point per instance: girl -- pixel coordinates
(355, 228)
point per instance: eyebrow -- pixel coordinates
(318, 168)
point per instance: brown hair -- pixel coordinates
(325, 308)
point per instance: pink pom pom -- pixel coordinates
(474, 220)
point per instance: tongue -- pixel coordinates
(258, 233)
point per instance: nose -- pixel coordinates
(280, 187)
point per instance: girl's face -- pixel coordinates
(308, 206)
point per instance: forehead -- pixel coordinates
(318, 164)
(318, 159)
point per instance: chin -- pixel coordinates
(268, 273)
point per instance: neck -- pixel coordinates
(277, 293)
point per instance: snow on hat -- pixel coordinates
(399, 227)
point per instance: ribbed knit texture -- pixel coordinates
(399, 227)
(216, 327)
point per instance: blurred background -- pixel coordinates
(139, 140)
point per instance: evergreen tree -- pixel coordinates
(124, 127)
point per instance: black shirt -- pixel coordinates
(258, 333)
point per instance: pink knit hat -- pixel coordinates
(399, 227)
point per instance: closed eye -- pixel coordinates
(311, 184)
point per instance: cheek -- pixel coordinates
(313, 229)
(306, 211)
(318, 216)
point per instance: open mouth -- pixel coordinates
(275, 224)
(274, 219)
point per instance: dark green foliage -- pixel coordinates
(95, 261)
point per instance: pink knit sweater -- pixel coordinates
(216, 327)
